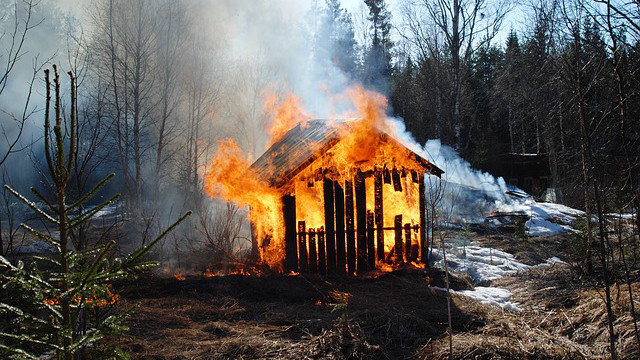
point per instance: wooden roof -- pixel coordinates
(302, 145)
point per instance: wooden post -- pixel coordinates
(322, 258)
(424, 251)
(351, 236)
(371, 251)
(414, 176)
(387, 176)
(397, 183)
(302, 244)
(379, 218)
(313, 254)
(340, 244)
(408, 241)
(397, 249)
(361, 217)
(290, 241)
(329, 217)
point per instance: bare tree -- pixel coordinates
(17, 23)
(171, 49)
(582, 73)
(453, 29)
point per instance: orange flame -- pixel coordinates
(178, 276)
(285, 115)
(109, 299)
(230, 177)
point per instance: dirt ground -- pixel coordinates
(395, 315)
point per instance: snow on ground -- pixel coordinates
(545, 218)
(484, 264)
(481, 263)
(550, 218)
(487, 295)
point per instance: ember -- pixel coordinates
(179, 276)
(329, 196)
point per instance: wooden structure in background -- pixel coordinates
(352, 238)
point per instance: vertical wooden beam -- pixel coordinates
(407, 242)
(361, 217)
(313, 254)
(302, 245)
(424, 251)
(371, 251)
(290, 241)
(329, 225)
(379, 215)
(340, 244)
(397, 183)
(397, 249)
(351, 236)
(322, 257)
(387, 176)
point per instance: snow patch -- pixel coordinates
(484, 264)
(481, 263)
(545, 218)
(488, 295)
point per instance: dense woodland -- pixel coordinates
(151, 93)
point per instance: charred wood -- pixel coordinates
(340, 231)
(291, 248)
(329, 216)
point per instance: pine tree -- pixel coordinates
(335, 40)
(65, 302)
(508, 92)
(377, 60)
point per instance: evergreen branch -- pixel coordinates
(18, 351)
(92, 192)
(25, 338)
(43, 236)
(52, 309)
(89, 338)
(47, 260)
(82, 254)
(86, 215)
(96, 262)
(32, 205)
(21, 314)
(43, 200)
(6, 263)
(144, 249)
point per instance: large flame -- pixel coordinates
(229, 177)
(363, 147)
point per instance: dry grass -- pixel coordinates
(283, 317)
(560, 319)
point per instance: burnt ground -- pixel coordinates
(392, 316)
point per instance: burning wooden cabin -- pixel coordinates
(352, 199)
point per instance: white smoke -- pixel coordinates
(468, 194)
